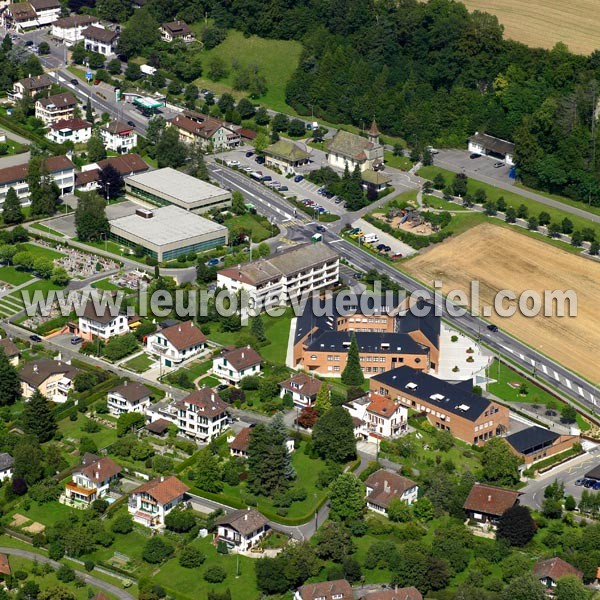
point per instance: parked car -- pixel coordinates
(588, 483)
(213, 262)
(76, 339)
(337, 200)
(396, 256)
(249, 154)
(131, 123)
(260, 160)
(298, 178)
(498, 165)
(357, 275)
(580, 482)
(283, 188)
(321, 228)
(596, 485)
(380, 246)
(267, 178)
(29, 43)
(232, 163)
(493, 328)
(475, 155)
(35, 338)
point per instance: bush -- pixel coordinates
(122, 524)
(65, 574)
(89, 565)
(191, 557)
(156, 550)
(215, 574)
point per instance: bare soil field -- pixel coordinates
(503, 259)
(542, 23)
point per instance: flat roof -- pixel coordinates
(147, 102)
(171, 183)
(170, 224)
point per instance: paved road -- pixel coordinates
(89, 579)
(274, 206)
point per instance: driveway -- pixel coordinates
(458, 160)
(89, 579)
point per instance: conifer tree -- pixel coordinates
(352, 374)
(257, 328)
(323, 401)
(12, 213)
(10, 385)
(38, 419)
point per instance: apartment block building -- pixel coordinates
(56, 108)
(273, 281)
(453, 407)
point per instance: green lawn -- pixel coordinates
(42, 251)
(45, 229)
(276, 61)
(72, 429)
(140, 363)
(107, 285)
(14, 276)
(118, 249)
(259, 232)
(513, 199)
(502, 388)
(41, 285)
(48, 513)
(398, 162)
(209, 381)
(188, 584)
(583, 205)
(441, 204)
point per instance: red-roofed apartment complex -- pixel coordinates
(152, 501)
(176, 343)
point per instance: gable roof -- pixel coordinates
(493, 144)
(242, 358)
(183, 335)
(208, 401)
(245, 521)
(241, 440)
(72, 124)
(131, 390)
(9, 347)
(382, 406)
(75, 21)
(90, 313)
(85, 177)
(53, 164)
(405, 593)
(59, 100)
(6, 460)
(302, 383)
(37, 82)
(205, 129)
(326, 589)
(117, 127)
(37, 371)
(490, 500)
(163, 489)
(22, 11)
(350, 145)
(287, 150)
(532, 439)
(177, 28)
(386, 486)
(555, 568)
(100, 34)
(126, 164)
(45, 4)
(100, 470)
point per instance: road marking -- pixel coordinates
(335, 241)
(568, 384)
(581, 393)
(556, 376)
(545, 369)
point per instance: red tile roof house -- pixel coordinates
(485, 504)
(549, 571)
(238, 445)
(242, 529)
(149, 503)
(90, 482)
(383, 486)
(231, 366)
(339, 589)
(202, 415)
(303, 388)
(177, 343)
(4, 565)
(406, 593)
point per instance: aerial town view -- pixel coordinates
(297, 300)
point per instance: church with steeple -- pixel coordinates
(349, 149)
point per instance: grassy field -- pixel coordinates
(140, 363)
(513, 199)
(502, 259)
(259, 232)
(45, 229)
(441, 204)
(72, 429)
(543, 23)
(43, 252)
(14, 276)
(506, 387)
(47, 514)
(276, 61)
(398, 162)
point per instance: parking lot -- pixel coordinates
(397, 247)
(459, 160)
(301, 190)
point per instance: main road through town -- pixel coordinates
(276, 208)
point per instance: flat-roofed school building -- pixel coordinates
(168, 232)
(167, 186)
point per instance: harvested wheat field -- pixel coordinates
(503, 259)
(542, 23)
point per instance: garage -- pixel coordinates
(482, 143)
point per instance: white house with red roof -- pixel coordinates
(77, 131)
(233, 365)
(381, 416)
(118, 136)
(202, 415)
(303, 389)
(177, 343)
(153, 500)
(90, 480)
(384, 485)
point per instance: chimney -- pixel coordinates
(386, 487)
(242, 355)
(35, 368)
(212, 397)
(162, 478)
(125, 384)
(179, 329)
(489, 498)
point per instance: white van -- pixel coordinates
(369, 238)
